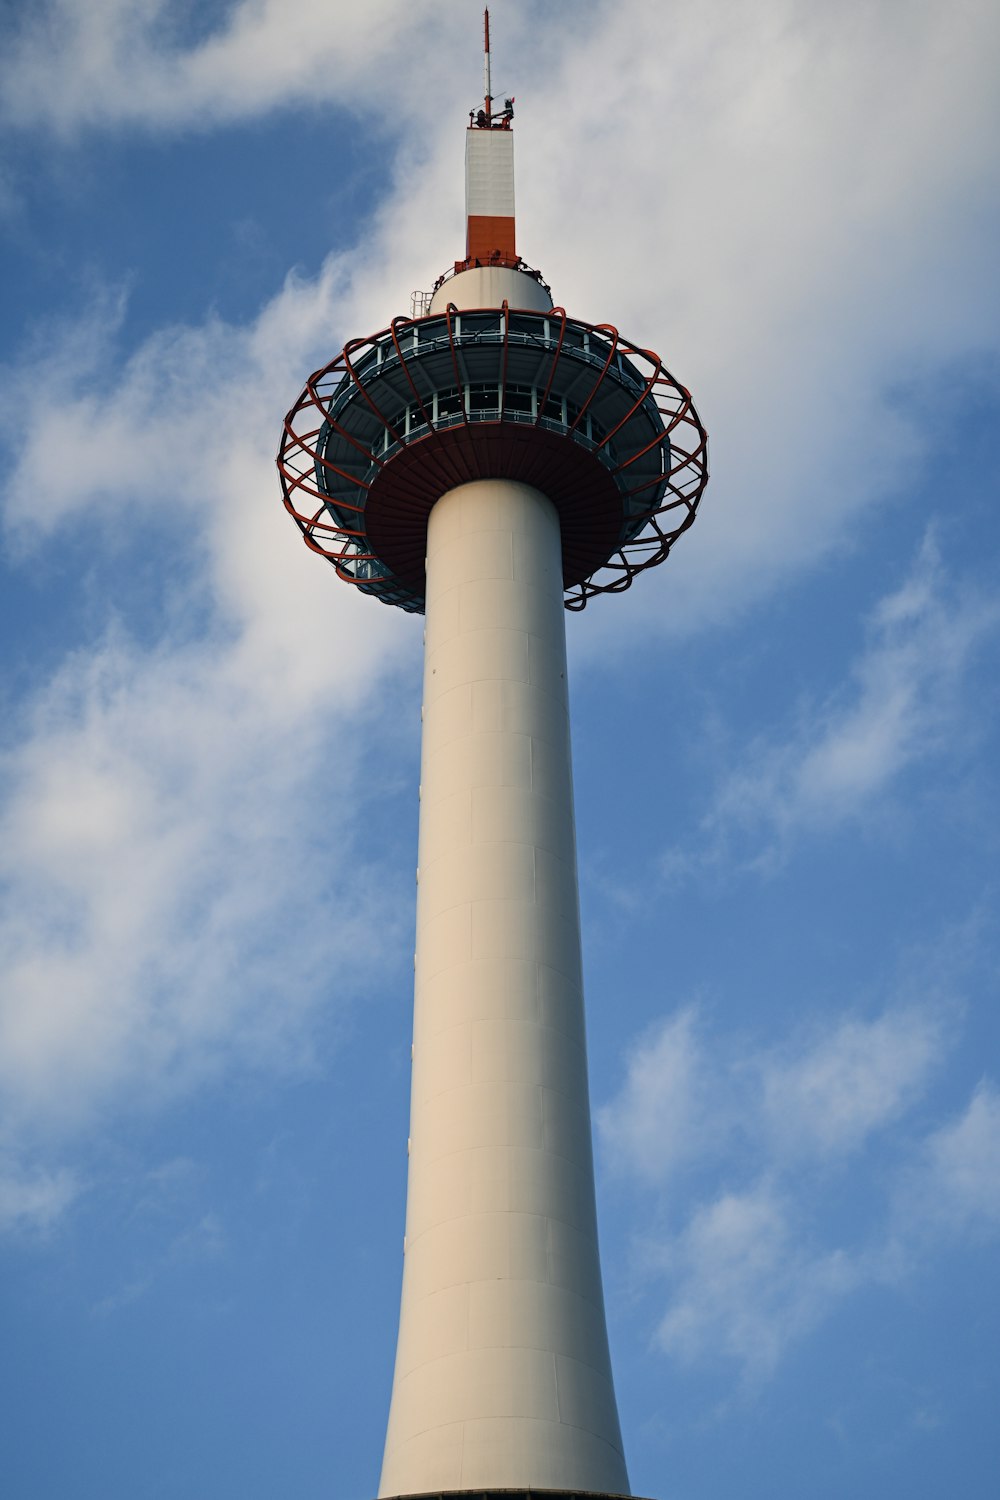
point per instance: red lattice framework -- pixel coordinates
(625, 488)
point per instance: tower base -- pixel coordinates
(516, 1494)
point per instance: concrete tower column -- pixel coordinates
(503, 1378)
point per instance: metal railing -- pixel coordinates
(659, 465)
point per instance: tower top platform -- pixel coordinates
(489, 380)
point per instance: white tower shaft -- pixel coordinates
(503, 1378)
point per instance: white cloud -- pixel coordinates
(204, 1239)
(184, 890)
(827, 1098)
(905, 701)
(743, 1285)
(668, 1104)
(77, 64)
(954, 1188)
(751, 1249)
(687, 1094)
(73, 66)
(167, 899)
(799, 224)
(32, 1200)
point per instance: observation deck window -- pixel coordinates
(527, 327)
(519, 398)
(415, 420)
(484, 398)
(476, 325)
(448, 403)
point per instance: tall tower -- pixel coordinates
(491, 462)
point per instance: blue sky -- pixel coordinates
(786, 739)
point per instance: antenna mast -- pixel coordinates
(488, 100)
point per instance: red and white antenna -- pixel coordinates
(489, 177)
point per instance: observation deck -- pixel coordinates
(572, 408)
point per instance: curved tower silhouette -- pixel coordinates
(491, 462)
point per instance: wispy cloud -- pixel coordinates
(739, 1150)
(811, 198)
(819, 1095)
(828, 1097)
(906, 700)
(179, 801)
(143, 64)
(667, 1111)
(165, 895)
(33, 1199)
(203, 1239)
(953, 1189)
(745, 1282)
